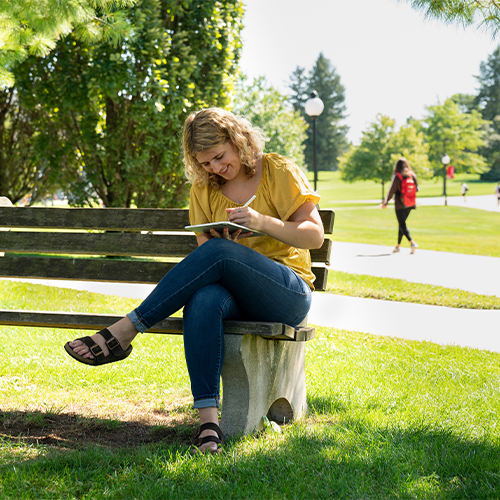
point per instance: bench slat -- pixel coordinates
(84, 321)
(118, 219)
(120, 244)
(106, 270)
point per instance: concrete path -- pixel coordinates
(453, 270)
(486, 202)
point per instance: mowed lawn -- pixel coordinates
(334, 191)
(388, 419)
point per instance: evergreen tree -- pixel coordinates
(485, 14)
(331, 139)
(488, 99)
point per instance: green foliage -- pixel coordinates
(449, 130)
(33, 28)
(489, 100)
(330, 133)
(380, 147)
(485, 14)
(267, 108)
(21, 171)
(118, 110)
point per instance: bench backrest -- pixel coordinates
(55, 243)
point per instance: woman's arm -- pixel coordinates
(303, 229)
(392, 191)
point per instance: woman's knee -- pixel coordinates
(208, 300)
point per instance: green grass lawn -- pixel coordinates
(388, 419)
(447, 229)
(333, 190)
(362, 285)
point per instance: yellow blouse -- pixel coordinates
(282, 190)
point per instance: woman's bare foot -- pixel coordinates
(124, 331)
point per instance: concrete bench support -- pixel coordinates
(261, 377)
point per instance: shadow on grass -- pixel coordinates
(351, 459)
(74, 431)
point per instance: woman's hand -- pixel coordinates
(235, 236)
(383, 205)
(245, 216)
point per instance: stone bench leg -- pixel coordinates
(261, 377)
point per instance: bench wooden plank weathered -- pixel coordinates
(263, 372)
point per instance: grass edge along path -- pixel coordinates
(362, 285)
(388, 418)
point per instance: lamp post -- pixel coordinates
(445, 160)
(314, 107)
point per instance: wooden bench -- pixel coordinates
(263, 371)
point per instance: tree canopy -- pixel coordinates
(267, 108)
(33, 28)
(114, 112)
(381, 146)
(449, 130)
(330, 132)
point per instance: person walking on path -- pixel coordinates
(404, 188)
(465, 188)
(227, 277)
(497, 192)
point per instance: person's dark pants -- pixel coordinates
(402, 215)
(222, 280)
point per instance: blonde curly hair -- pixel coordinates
(211, 127)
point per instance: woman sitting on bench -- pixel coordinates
(263, 278)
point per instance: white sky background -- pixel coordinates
(390, 60)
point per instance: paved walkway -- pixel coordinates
(453, 270)
(486, 202)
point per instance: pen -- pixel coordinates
(250, 200)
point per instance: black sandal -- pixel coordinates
(199, 441)
(116, 353)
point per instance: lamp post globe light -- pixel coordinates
(314, 107)
(445, 160)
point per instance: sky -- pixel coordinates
(390, 59)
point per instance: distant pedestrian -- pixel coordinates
(465, 188)
(404, 188)
(497, 192)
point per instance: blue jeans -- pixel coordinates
(221, 280)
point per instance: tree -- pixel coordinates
(330, 134)
(267, 108)
(21, 171)
(119, 110)
(448, 130)
(485, 14)
(488, 99)
(33, 28)
(381, 146)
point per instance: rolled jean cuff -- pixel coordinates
(138, 324)
(207, 403)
